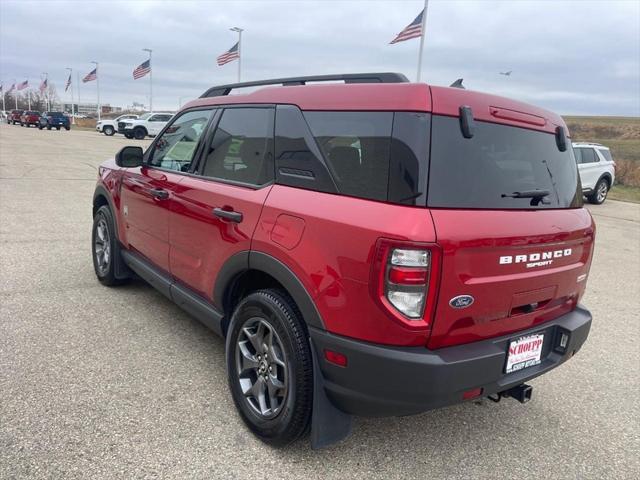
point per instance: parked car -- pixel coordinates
(30, 117)
(14, 116)
(110, 126)
(376, 249)
(55, 120)
(148, 124)
(597, 170)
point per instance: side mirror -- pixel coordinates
(130, 157)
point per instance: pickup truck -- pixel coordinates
(29, 117)
(110, 126)
(14, 116)
(148, 124)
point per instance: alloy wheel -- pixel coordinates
(102, 246)
(602, 192)
(261, 366)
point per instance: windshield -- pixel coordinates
(500, 167)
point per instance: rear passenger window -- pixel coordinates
(241, 149)
(356, 147)
(588, 155)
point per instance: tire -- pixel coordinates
(21, 124)
(128, 135)
(40, 127)
(48, 127)
(139, 133)
(67, 128)
(58, 128)
(284, 414)
(600, 193)
(104, 247)
(108, 130)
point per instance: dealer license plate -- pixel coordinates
(524, 352)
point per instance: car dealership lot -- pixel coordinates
(120, 383)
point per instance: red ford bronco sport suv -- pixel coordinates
(373, 247)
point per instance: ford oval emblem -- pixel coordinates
(461, 301)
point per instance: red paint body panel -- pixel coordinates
(334, 257)
(200, 243)
(470, 266)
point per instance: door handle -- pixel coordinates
(159, 193)
(228, 215)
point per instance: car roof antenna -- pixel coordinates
(457, 84)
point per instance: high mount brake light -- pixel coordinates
(405, 276)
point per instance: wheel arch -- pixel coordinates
(250, 270)
(606, 176)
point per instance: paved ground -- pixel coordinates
(119, 383)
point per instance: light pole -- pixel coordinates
(15, 92)
(150, 79)
(73, 113)
(98, 87)
(239, 30)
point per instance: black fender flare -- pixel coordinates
(607, 177)
(254, 260)
(122, 271)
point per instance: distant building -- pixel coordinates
(89, 108)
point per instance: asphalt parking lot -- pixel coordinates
(102, 382)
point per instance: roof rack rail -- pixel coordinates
(590, 143)
(384, 77)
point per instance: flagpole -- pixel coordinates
(46, 93)
(73, 115)
(239, 30)
(15, 93)
(78, 82)
(4, 109)
(424, 23)
(150, 79)
(98, 88)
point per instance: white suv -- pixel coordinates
(147, 124)
(597, 170)
(110, 126)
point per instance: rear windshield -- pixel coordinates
(491, 169)
(56, 114)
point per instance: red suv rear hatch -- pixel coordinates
(507, 210)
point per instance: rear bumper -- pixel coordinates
(389, 381)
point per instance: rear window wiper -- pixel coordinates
(536, 196)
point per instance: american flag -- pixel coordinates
(43, 85)
(413, 30)
(23, 85)
(229, 56)
(66, 87)
(142, 69)
(91, 76)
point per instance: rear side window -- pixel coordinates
(607, 155)
(356, 147)
(241, 148)
(373, 155)
(487, 170)
(585, 155)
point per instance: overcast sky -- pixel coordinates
(574, 57)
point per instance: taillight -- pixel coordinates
(405, 276)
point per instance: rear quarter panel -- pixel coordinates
(334, 255)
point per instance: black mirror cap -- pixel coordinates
(561, 139)
(130, 157)
(467, 124)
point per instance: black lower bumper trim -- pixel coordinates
(389, 381)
